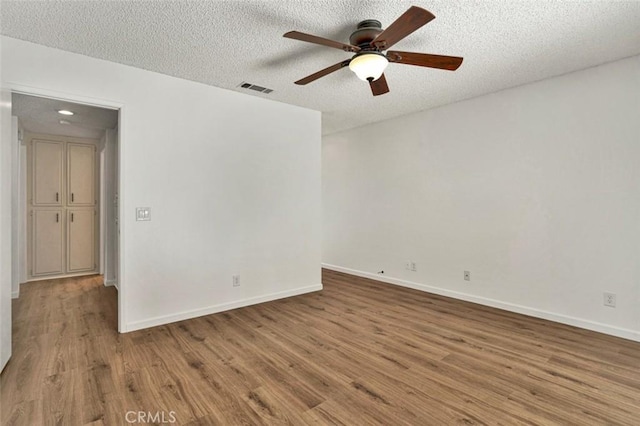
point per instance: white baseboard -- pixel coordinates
(55, 277)
(525, 310)
(166, 319)
(111, 283)
(15, 294)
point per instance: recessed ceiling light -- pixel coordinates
(65, 112)
(64, 122)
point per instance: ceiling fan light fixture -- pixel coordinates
(368, 66)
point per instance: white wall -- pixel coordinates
(233, 183)
(20, 163)
(535, 190)
(110, 206)
(17, 210)
(102, 189)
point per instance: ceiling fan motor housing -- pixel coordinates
(366, 31)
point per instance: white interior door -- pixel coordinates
(47, 167)
(82, 240)
(81, 171)
(47, 242)
(5, 227)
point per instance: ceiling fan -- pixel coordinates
(369, 41)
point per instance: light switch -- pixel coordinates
(143, 213)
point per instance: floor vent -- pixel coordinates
(255, 87)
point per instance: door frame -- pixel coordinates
(21, 210)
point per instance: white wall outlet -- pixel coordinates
(236, 280)
(467, 276)
(410, 266)
(609, 299)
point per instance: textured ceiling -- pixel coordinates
(40, 115)
(223, 43)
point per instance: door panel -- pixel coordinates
(82, 237)
(47, 242)
(47, 176)
(81, 171)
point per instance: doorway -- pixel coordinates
(66, 190)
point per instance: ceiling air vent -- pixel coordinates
(255, 87)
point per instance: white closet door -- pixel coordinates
(47, 176)
(47, 254)
(81, 169)
(81, 240)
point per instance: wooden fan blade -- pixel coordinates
(296, 35)
(450, 63)
(323, 72)
(379, 86)
(408, 22)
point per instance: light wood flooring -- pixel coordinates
(357, 353)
